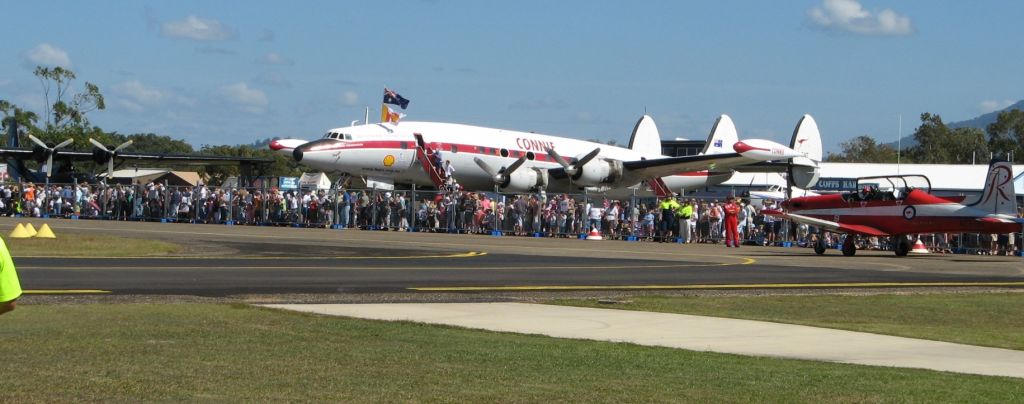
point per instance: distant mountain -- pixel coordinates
(980, 122)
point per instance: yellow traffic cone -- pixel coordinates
(31, 230)
(19, 232)
(45, 232)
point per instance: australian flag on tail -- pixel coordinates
(391, 97)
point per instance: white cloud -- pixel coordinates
(130, 106)
(993, 105)
(349, 98)
(272, 58)
(45, 54)
(850, 16)
(199, 29)
(134, 96)
(245, 98)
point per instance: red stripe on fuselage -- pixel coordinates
(453, 148)
(924, 224)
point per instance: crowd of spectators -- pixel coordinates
(685, 220)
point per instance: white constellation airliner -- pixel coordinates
(484, 158)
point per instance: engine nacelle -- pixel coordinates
(526, 180)
(100, 156)
(599, 171)
(804, 176)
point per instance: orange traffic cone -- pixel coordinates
(594, 234)
(919, 247)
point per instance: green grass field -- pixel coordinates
(988, 319)
(88, 245)
(209, 352)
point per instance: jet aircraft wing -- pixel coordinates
(829, 225)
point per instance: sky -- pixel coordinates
(218, 72)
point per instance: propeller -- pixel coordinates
(503, 176)
(574, 168)
(102, 151)
(49, 151)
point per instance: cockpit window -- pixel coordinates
(348, 136)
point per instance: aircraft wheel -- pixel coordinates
(850, 245)
(901, 246)
(819, 246)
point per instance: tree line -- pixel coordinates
(939, 144)
(65, 115)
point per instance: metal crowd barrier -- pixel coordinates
(499, 214)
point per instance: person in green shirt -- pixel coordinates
(683, 213)
(10, 288)
(668, 218)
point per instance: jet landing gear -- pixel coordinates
(820, 246)
(901, 245)
(850, 245)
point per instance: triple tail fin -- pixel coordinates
(807, 139)
(723, 136)
(803, 171)
(645, 138)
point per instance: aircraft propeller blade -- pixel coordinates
(98, 145)
(586, 159)
(495, 175)
(500, 177)
(515, 166)
(38, 142)
(110, 168)
(123, 145)
(570, 170)
(64, 143)
(49, 166)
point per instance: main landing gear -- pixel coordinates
(901, 245)
(850, 245)
(820, 246)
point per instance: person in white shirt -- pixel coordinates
(595, 217)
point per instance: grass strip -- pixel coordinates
(89, 245)
(209, 352)
(986, 319)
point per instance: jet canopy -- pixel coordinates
(891, 186)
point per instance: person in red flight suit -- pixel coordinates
(732, 210)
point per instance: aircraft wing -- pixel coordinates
(828, 224)
(175, 159)
(996, 219)
(663, 167)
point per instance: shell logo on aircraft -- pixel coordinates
(389, 160)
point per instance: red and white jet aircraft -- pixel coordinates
(484, 158)
(897, 209)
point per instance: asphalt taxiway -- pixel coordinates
(228, 260)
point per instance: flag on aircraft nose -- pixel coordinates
(391, 97)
